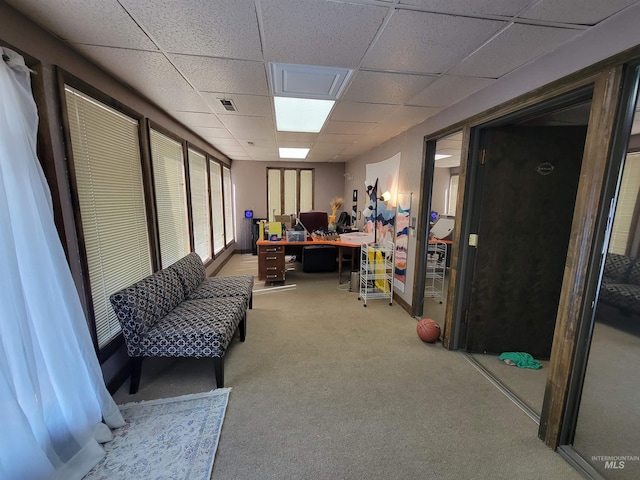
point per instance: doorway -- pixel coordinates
(525, 171)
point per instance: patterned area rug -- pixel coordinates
(173, 438)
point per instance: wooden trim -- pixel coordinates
(187, 185)
(400, 301)
(148, 184)
(597, 150)
(422, 236)
(451, 335)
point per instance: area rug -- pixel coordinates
(171, 438)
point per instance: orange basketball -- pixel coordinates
(428, 330)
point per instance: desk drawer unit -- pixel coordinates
(271, 263)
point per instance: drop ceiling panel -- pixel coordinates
(182, 100)
(312, 32)
(195, 120)
(477, 7)
(585, 12)
(349, 128)
(223, 75)
(80, 21)
(255, 105)
(286, 137)
(269, 153)
(212, 133)
(449, 89)
(138, 68)
(227, 142)
(426, 42)
(253, 128)
(392, 88)
(215, 28)
(408, 116)
(514, 47)
(337, 138)
(361, 112)
(328, 149)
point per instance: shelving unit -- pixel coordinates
(376, 271)
(436, 270)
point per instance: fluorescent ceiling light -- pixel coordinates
(301, 114)
(440, 157)
(293, 152)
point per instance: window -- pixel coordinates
(171, 205)
(217, 211)
(200, 204)
(228, 205)
(453, 195)
(623, 228)
(289, 191)
(108, 179)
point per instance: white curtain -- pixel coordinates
(52, 394)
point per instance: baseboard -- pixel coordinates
(403, 304)
(119, 378)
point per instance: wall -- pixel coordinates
(591, 47)
(19, 33)
(250, 181)
(440, 190)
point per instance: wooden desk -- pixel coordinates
(271, 256)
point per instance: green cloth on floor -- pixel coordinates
(521, 359)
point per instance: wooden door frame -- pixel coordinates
(606, 82)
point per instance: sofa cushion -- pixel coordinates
(622, 295)
(190, 269)
(617, 267)
(195, 328)
(634, 272)
(222, 287)
(141, 305)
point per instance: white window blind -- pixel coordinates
(289, 191)
(200, 204)
(215, 174)
(274, 196)
(228, 205)
(626, 204)
(171, 205)
(108, 175)
(306, 190)
(453, 194)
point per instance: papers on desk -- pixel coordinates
(356, 238)
(275, 231)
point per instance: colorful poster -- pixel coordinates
(402, 241)
(382, 213)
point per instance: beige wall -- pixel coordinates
(250, 181)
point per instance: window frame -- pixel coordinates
(282, 171)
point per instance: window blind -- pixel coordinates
(274, 194)
(290, 192)
(171, 205)
(217, 211)
(453, 194)
(200, 204)
(626, 204)
(306, 190)
(108, 175)
(228, 205)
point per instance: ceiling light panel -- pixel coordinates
(287, 152)
(308, 81)
(301, 114)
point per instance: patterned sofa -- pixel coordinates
(621, 282)
(178, 312)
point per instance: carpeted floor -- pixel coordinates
(325, 388)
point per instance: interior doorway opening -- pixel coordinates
(523, 171)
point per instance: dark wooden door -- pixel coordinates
(527, 189)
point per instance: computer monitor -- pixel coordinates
(313, 221)
(443, 228)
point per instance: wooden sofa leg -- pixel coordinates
(136, 371)
(243, 328)
(218, 367)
